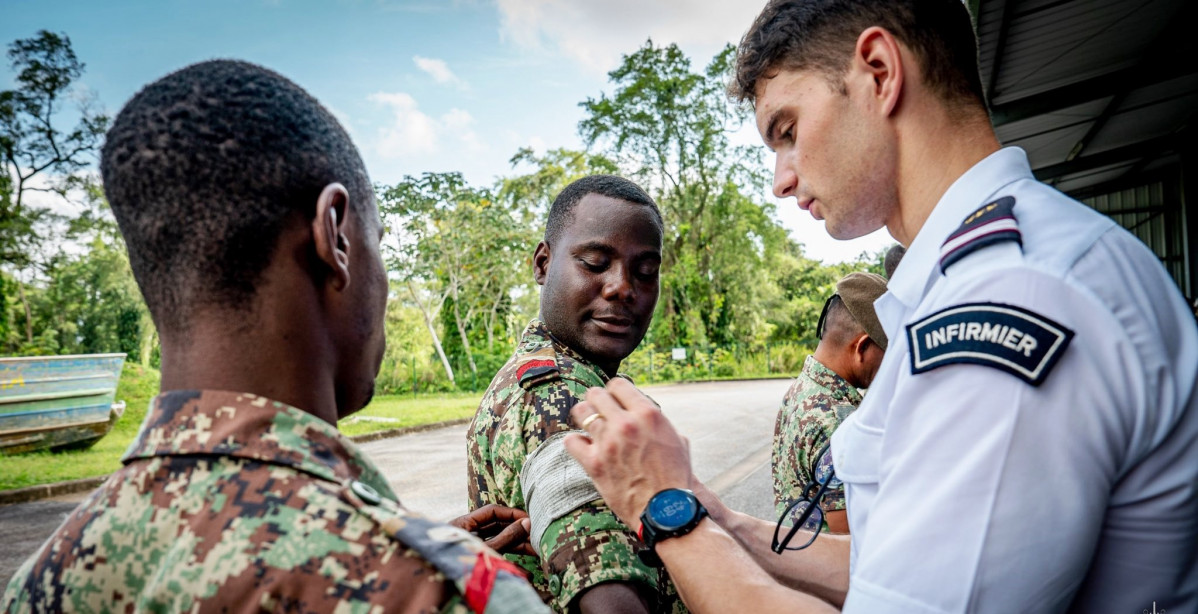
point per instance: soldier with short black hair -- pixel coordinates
(254, 237)
(598, 271)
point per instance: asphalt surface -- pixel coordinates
(730, 425)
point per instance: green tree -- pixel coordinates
(454, 246)
(90, 302)
(670, 125)
(32, 144)
(529, 195)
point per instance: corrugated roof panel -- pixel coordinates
(1050, 147)
(1181, 86)
(1143, 123)
(1093, 176)
(1074, 41)
(1064, 118)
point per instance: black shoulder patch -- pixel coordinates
(536, 372)
(1020, 342)
(992, 223)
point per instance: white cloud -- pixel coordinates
(596, 34)
(458, 124)
(413, 132)
(438, 70)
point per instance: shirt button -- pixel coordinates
(366, 493)
(555, 585)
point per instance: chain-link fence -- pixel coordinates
(649, 364)
(652, 364)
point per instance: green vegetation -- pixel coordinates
(737, 292)
(139, 385)
(393, 412)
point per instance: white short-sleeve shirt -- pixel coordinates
(970, 489)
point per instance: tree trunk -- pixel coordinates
(457, 318)
(149, 336)
(432, 330)
(491, 319)
(28, 312)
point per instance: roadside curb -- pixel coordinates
(717, 381)
(45, 491)
(70, 487)
(406, 430)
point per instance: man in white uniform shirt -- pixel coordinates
(1029, 443)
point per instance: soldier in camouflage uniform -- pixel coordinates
(825, 392)
(598, 268)
(247, 214)
(233, 501)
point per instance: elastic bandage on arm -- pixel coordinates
(554, 485)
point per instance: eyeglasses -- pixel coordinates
(806, 512)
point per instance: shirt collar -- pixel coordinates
(838, 387)
(211, 422)
(539, 334)
(920, 264)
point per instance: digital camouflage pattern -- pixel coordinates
(230, 502)
(528, 401)
(816, 403)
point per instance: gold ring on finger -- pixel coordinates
(591, 419)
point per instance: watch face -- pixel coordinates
(672, 509)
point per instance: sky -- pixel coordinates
(421, 85)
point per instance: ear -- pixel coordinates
(878, 61)
(540, 263)
(861, 347)
(332, 249)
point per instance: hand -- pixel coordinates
(633, 451)
(504, 529)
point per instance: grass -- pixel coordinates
(138, 386)
(404, 410)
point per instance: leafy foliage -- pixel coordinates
(31, 142)
(737, 291)
(670, 125)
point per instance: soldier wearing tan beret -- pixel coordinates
(825, 392)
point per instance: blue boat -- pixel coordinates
(57, 401)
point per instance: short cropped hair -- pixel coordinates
(821, 35)
(611, 186)
(894, 256)
(205, 167)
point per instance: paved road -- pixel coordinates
(730, 425)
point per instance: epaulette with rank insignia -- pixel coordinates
(992, 223)
(536, 372)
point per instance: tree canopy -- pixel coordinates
(458, 254)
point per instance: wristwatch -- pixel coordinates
(670, 513)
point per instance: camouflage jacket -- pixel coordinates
(230, 501)
(527, 403)
(816, 403)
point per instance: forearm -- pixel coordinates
(714, 574)
(821, 569)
